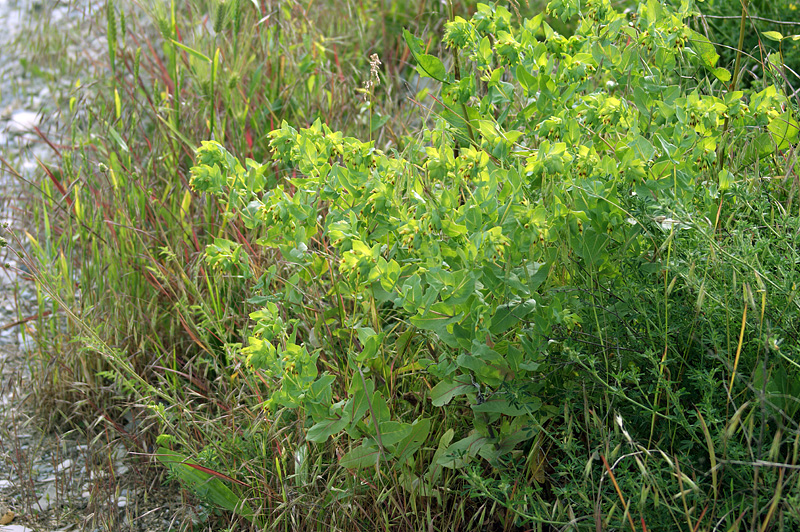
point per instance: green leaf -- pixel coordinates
(445, 390)
(427, 65)
(721, 74)
(391, 274)
(501, 405)
(366, 454)
(191, 51)
(784, 130)
(527, 80)
(431, 66)
(393, 432)
(435, 469)
(358, 405)
(377, 121)
(204, 482)
(419, 433)
(327, 428)
(485, 51)
(459, 453)
(707, 54)
(725, 179)
(510, 314)
(773, 35)
(437, 323)
(642, 147)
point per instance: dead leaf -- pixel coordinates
(7, 517)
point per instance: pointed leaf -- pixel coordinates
(362, 456)
(501, 405)
(773, 35)
(327, 428)
(419, 433)
(204, 482)
(393, 432)
(444, 392)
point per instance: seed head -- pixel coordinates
(374, 80)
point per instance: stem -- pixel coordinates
(734, 80)
(736, 65)
(458, 78)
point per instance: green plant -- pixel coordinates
(557, 177)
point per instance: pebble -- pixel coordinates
(48, 498)
(15, 528)
(22, 121)
(120, 452)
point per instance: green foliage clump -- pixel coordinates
(528, 247)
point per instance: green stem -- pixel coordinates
(734, 81)
(742, 24)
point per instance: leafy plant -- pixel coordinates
(556, 165)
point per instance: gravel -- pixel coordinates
(51, 482)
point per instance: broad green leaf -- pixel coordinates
(328, 427)
(721, 74)
(365, 455)
(427, 65)
(707, 54)
(204, 482)
(485, 51)
(527, 80)
(431, 66)
(435, 322)
(501, 405)
(784, 130)
(725, 179)
(413, 42)
(391, 274)
(377, 121)
(435, 469)
(358, 405)
(510, 314)
(773, 35)
(459, 453)
(393, 432)
(491, 370)
(445, 390)
(642, 147)
(419, 433)
(378, 409)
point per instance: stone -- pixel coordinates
(47, 500)
(22, 121)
